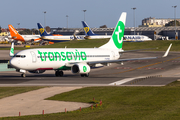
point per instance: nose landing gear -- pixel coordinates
(23, 75)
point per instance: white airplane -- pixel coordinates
(78, 60)
(128, 38)
(57, 38)
(25, 38)
(136, 38)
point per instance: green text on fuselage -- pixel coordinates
(63, 56)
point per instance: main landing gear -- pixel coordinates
(59, 73)
(85, 75)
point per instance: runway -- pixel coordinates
(157, 72)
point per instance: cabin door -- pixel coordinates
(33, 56)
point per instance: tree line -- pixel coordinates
(30, 31)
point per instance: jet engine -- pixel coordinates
(87, 37)
(80, 68)
(37, 71)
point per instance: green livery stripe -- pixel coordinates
(64, 68)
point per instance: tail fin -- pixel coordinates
(14, 34)
(87, 30)
(42, 31)
(116, 40)
(11, 53)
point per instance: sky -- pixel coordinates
(99, 12)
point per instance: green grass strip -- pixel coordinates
(119, 103)
(162, 45)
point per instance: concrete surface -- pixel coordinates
(32, 103)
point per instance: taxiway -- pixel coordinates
(157, 72)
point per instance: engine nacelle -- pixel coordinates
(37, 71)
(87, 37)
(80, 68)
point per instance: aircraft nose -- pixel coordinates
(13, 62)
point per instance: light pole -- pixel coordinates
(134, 18)
(176, 36)
(44, 19)
(84, 14)
(18, 25)
(67, 20)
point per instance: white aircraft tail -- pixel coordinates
(116, 40)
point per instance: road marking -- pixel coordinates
(147, 65)
(125, 80)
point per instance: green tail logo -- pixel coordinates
(118, 34)
(12, 51)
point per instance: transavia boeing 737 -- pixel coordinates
(78, 60)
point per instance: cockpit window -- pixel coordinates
(22, 56)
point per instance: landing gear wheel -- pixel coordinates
(23, 75)
(56, 73)
(82, 75)
(59, 73)
(85, 75)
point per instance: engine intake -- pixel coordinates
(80, 68)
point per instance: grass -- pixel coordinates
(9, 91)
(162, 45)
(120, 103)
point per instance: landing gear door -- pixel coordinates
(33, 56)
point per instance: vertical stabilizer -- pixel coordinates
(42, 31)
(87, 30)
(116, 40)
(14, 34)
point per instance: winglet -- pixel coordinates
(167, 51)
(11, 53)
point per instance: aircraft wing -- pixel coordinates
(120, 60)
(125, 51)
(130, 59)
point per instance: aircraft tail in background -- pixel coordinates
(14, 34)
(87, 30)
(42, 31)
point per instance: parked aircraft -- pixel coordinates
(136, 38)
(25, 38)
(47, 37)
(127, 38)
(78, 60)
